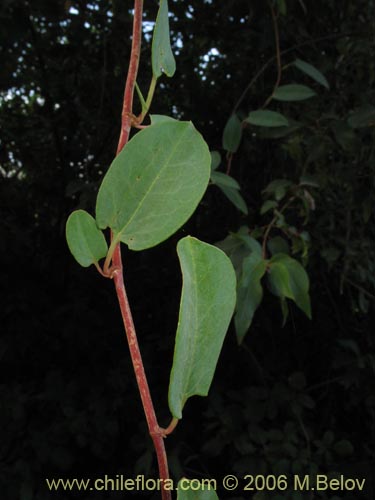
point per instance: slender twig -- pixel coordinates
(157, 434)
(271, 225)
(265, 66)
(360, 288)
(278, 56)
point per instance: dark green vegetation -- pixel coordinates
(296, 399)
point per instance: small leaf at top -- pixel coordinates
(154, 185)
(161, 51)
(266, 118)
(207, 303)
(232, 134)
(85, 240)
(293, 92)
(311, 71)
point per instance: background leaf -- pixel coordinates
(154, 185)
(266, 118)
(249, 293)
(234, 196)
(221, 179)
(85, 240)
(232, 134)
(293, 92)
(311, 71)
(288, 278)
(161, 51)
(207, 303)
(215, 159)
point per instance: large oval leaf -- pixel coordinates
(161, 52)
(293, 92)
(85, 240)
(207, 303)
(154, 185)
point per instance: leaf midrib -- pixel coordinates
(157, 177)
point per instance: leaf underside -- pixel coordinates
(161, 51)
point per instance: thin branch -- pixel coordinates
(155, 431)
(260, 72)
(278, 56)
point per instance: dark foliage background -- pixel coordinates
(298, 399)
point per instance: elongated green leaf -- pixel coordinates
(293, 92)
(249, 293)
(85, 240)
(193, 489)
(221, 179)
(207, 303)
(234, 196)
(289, 279)
(311, 71)
(154, 185)
(161, 51)
(232, 134)
(265, 118)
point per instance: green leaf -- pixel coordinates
(344, 448)
(85, 240)
(281, 4)
(308, 180)
(280, 132)
(238, 246)
(311, 71)
(161, 118)
(364, 117)
(198, 490)
(289, 279)
(154, 185)
(265, 118)
(207, 303)
(249, 293)
(268, 205)
(278, 188)
(232, 134)
(293, 92)
(215, 160)
(278, 245)
(221, 179)
(161, 51)
(234, 196)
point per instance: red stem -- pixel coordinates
(157, 434)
